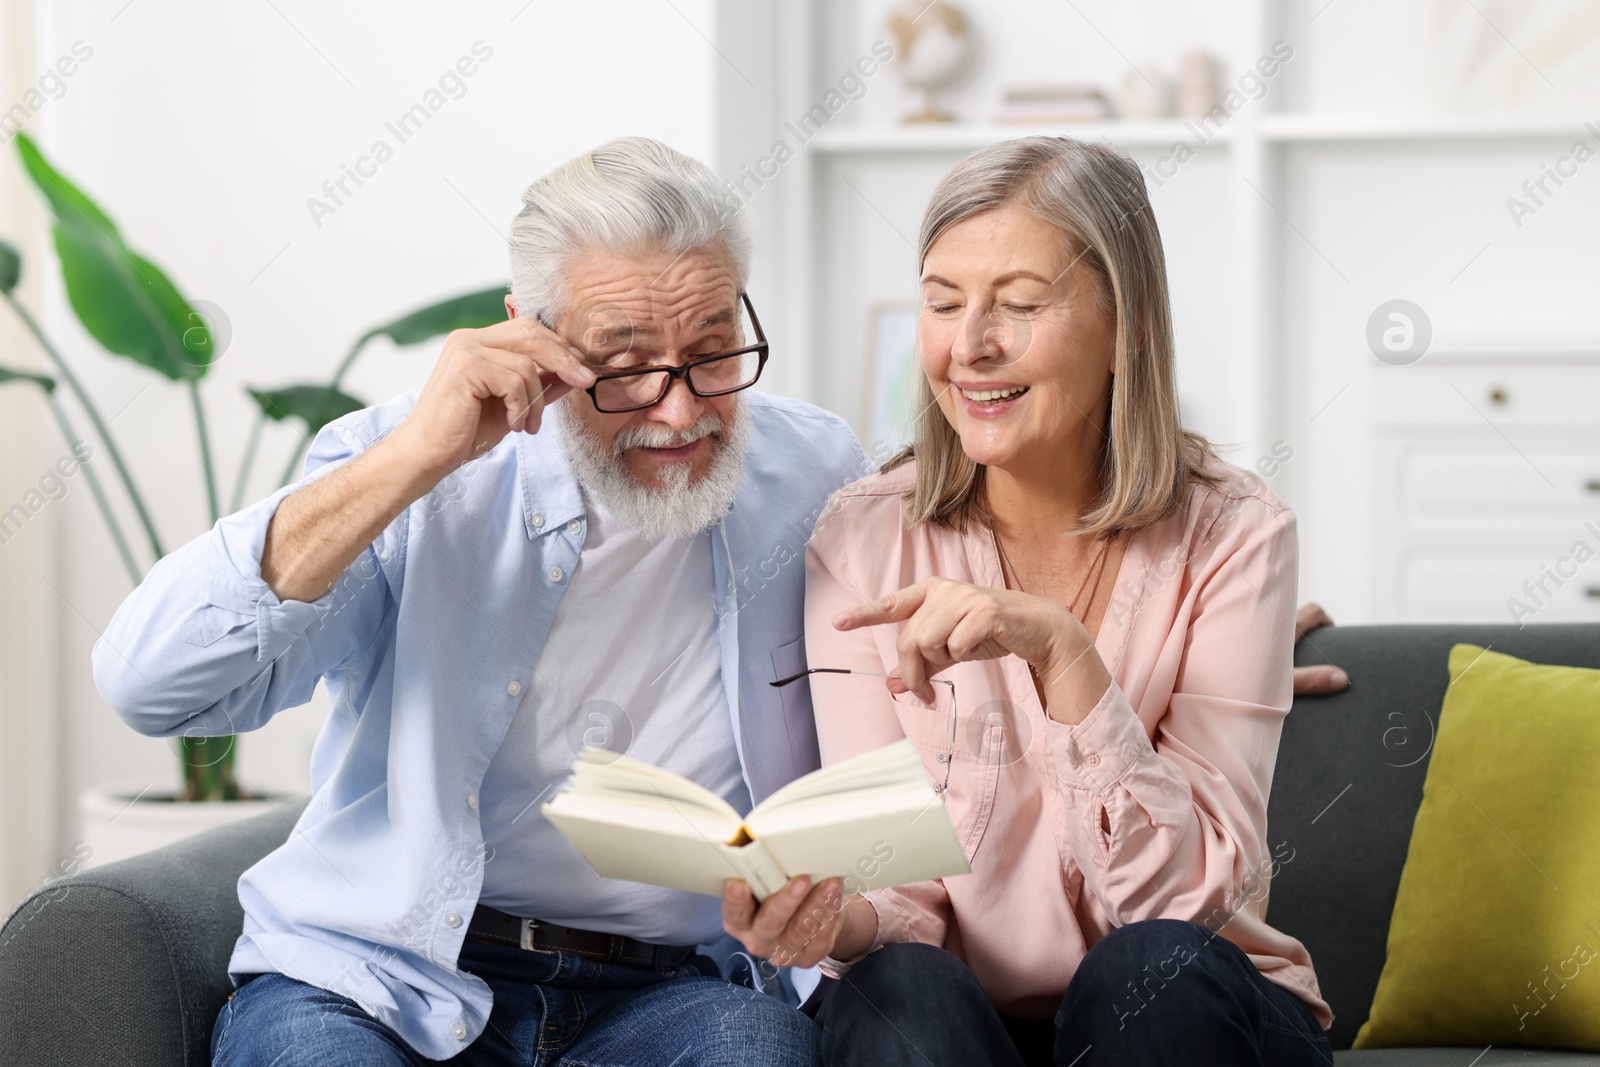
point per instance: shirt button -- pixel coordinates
(514, 688)
(538, 521)
(1093, 761)
(472, 801)
(573, 527)
(452, 920)
(556, 574)
(458, 1032)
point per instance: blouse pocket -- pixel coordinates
(974, 762)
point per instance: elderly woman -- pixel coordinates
(1115, 608)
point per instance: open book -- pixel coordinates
(874, 820)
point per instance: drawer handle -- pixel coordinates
(1593, 485)
(1498, 396)
(1592, 592)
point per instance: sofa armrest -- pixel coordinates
(128, 963)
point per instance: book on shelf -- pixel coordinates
(1051, 105)
(874, 820)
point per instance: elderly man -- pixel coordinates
(484, 591)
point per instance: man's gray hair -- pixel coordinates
(627, 196)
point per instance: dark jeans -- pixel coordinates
(916, 1004)
(550, 1008)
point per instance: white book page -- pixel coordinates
(602, 773)
(910, 842)
(647, 814)
(896, 764)
(668, 853)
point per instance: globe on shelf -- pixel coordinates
(936, 48)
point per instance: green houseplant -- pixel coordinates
(134, 311)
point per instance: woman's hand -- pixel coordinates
(798, 925)
(943, 622)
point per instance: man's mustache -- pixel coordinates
(707, 425)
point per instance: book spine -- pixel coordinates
(758, 869)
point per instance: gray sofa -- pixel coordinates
(126, 964)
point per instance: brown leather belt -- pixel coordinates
(498, 928)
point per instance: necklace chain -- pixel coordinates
(1096, 568)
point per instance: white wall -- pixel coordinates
(203, 129)
(28, 732)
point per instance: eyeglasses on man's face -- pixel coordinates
(949, 755)
(637, 388)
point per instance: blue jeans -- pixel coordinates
(917, 1004)
(550, 1008)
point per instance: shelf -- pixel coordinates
(969, 137)
(1163, 133)
(1341, 128)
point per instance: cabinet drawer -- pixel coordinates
(1465, 394)
(1481, 589)
(1496, 482)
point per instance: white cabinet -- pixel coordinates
(1488, 477)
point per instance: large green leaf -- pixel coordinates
(125, 301)
(44, 381)
(468, 311)
(315, 405)
(10, 266)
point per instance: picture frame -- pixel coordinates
(889, 377)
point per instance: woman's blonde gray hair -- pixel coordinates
(1096, 196)
(629, 195)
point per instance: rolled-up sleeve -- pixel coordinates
(1174, 826)
(204, 647)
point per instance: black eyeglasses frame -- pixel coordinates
(673, 374)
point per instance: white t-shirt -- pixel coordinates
(632, 665)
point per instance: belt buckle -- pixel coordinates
(528, 926)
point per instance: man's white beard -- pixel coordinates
(674, 508)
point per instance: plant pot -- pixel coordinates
(121, 819)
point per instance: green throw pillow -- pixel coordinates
(1496, 931)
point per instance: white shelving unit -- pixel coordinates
(1272, 129)
(965, 138)
(1332, 129)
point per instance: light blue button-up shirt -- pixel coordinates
(425, 645)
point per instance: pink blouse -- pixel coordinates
(1176, 758)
